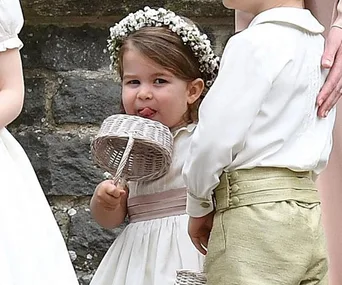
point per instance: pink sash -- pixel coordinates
(158, 205)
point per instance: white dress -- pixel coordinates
(32, 249)
(149, 252)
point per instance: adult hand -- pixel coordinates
(199, 231)
(332, 58)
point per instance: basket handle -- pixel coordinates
(119, 178)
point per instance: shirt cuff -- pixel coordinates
(198, 207)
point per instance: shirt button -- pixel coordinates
(235, 188)
(235, 201)
(205, 204)
(234, 175)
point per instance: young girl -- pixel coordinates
(32, 249)
(258, 149)
(164, 68)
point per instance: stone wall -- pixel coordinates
(69, 91)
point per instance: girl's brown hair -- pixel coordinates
(166, 49)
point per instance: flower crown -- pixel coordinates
(189, 34)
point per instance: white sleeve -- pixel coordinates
(225, 116)
(11, 22)
(338, 12)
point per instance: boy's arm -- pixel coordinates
(226, 114)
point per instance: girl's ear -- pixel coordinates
(195, 90)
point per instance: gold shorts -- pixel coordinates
(267, 230)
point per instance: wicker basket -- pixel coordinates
(189, 277)
(133, 148)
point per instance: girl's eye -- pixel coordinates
(133, 82)
(160, 81)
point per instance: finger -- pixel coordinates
(332, 44)
(332, 100)
(332, 82)
(123, 190)
(106, 205)
(197, 243)
(115, 192)
(204, 241)
(325, 108)
(123, 193)
(325, 92)
(111, 196)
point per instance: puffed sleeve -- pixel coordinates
(338, 15)
(11, 22)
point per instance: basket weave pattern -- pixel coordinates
(133, 147)
(189, 277)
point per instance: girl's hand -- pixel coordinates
(109, 196)
(332, 58)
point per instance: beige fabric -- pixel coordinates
(261, 185)
(257, 241)
(249, 245)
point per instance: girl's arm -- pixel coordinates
(11, 86)
(109, 205)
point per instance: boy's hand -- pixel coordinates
(332, 58)
(109, 196)
(199, 231)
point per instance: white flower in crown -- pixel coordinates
(189, 33)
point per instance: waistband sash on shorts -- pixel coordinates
(157, 205)
(263, 185)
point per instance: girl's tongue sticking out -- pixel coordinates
(146, 112)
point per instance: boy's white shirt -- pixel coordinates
(261, 109)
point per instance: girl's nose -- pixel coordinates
(144, 94)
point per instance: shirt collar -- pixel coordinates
(189, 128)
(301, 18)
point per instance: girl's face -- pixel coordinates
(150, 91)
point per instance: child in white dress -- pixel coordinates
(32, 249)
(164, 69)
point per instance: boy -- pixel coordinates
(258, 147)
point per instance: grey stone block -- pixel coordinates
(62, 162)
(88, 240)
(65, 48)
(72, 8)
(82, 100)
